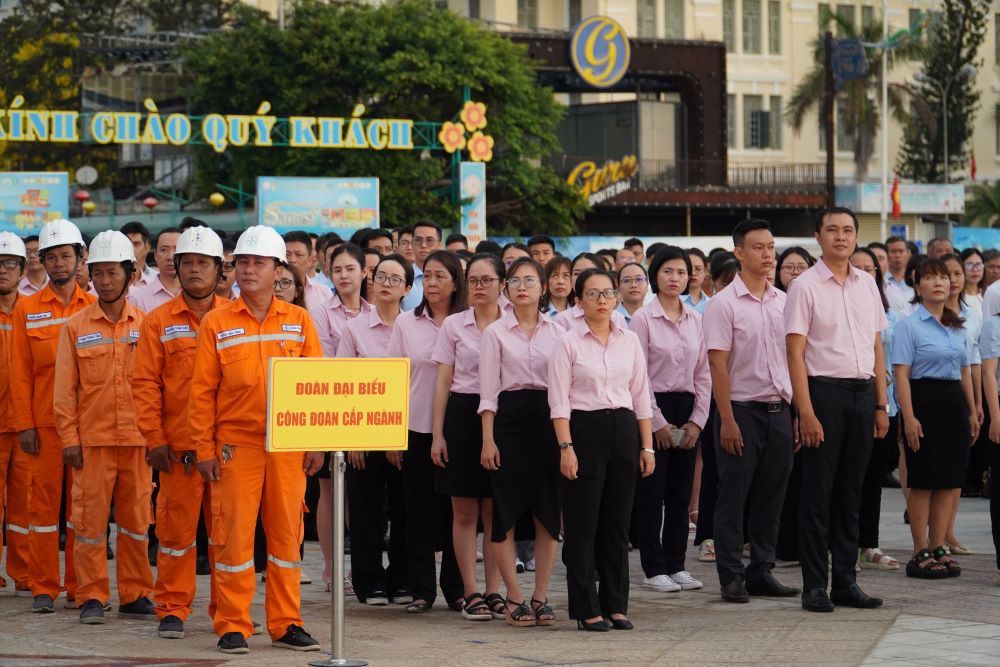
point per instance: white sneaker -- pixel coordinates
(304, 579)
(661, 582)
(685, 580)
(530, 565)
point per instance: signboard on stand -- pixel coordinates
(320, 205)
(472, 181)
(30, 199)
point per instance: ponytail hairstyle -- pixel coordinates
(935, 267)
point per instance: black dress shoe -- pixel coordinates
(816, 600)
(765, 584)
(621, 624)
(854, 597)
(735, 591)
(597, 626)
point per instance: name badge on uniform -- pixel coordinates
(297, 328)
(229, 333)
(88, 338)
(134, 335)
(34, 317)
(176, 328)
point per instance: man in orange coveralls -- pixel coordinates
(161, 384)
(228, 427)
(38, 319)
(13, 462)
(96, 420)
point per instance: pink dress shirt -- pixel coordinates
(27, 289)
(317, 298)
(149, 296)
(509, 360)
(585, 374)
(675, 356)
(839, 321)
(331, 320)
(753, 332)
(458, 345)
(366, 336)
(415, 337)
(573, 318)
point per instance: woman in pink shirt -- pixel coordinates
(458, 433)
(428, 514)
(573, 316)
(559, 278)
(519, 444)
(600, 408)
(671, 337)
(371, 476)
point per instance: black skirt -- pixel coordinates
(939, 406)
(463, 476)
(529, 462)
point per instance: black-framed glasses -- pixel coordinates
(385, 279)
(10, 264)
(284, 283)
(482, 282)
(595, 294)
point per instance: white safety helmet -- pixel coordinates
(199, 241)
(262, 241)
(57, 233)
(11, 244)
(111, 246)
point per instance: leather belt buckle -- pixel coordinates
(775, 406)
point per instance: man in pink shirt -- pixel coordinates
(164, 286)
(744, 333)
(833, 317)
(299, 253)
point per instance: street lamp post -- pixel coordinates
(966, 72)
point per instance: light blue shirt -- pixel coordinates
(929, 348)
(624, 312)
(989, 340)
(973, 324)
(323, 280)
(696, 307)
(893, 319)
(416, 294)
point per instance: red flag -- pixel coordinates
(897, 209)
(973, 169)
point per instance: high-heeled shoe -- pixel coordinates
(621, 624)
(597, 626)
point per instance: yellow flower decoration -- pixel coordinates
(480, 147)
(474, 116)
(452, 136)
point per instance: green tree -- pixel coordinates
(953, 43)
(983, 207)
(859, 98)
(402, 60)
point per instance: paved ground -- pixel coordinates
(951, 622)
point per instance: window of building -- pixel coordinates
(776, 117)
(996, 123)
(729, 25)
(756, 126)
(441, 4)
(773, 26)
(846, 14)
(527, 14)
(474, 9)
(752, 27)
(996, 38)
(645, 11)
(845, 141)
(575, 11)
(867, 16)
(732, 125)
(674, 19)
(823, 14)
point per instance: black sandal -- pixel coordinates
(457, 604)
(924, 566)
(418, 607)
(521, 616)
(497, 608)
(543, 612)
(951, 565)
(474, 608)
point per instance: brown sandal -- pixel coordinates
(543, 612)
(521, 616)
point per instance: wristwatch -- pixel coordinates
(565, 445)
(884, 407)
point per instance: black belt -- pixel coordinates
(850, 384)
(763, 406)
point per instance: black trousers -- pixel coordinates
(428, 526)
(993, 454)
(662, 499)
(367, 489)
(832, 475)
(759, 475)
(788, 527)
(871, 489)
(708, 494)
(596, 507)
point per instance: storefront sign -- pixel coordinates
(472, 180)
(30, 199)
(600, 184)
(915, 198)
(319, 205)
(599, 51)
(319, 404)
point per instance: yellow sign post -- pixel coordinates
(316, 404)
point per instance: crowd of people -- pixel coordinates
(610, 401)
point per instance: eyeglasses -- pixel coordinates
(638, 281)
(385, 279)
(594, 294)
(32, 253)
(794, 268)
(974, 266)
(527, 281)
(405, 244)
(482, 282)
(428, 241)
(10, 264)
(284, 283)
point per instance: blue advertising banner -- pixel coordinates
(975, 237)
(30, 199)
(320, 205)
(472, 178)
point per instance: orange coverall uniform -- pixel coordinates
(228, 421)
(161, 384)
(38, 319)
(94, 409)
(14, 477)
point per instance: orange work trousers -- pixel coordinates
(274, 483)
(14, 486)
(181, 497)
(47, 484)
(123, 474)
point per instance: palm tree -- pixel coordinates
(858, 97)
(983, 208)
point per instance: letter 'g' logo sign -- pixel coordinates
(599, 51)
